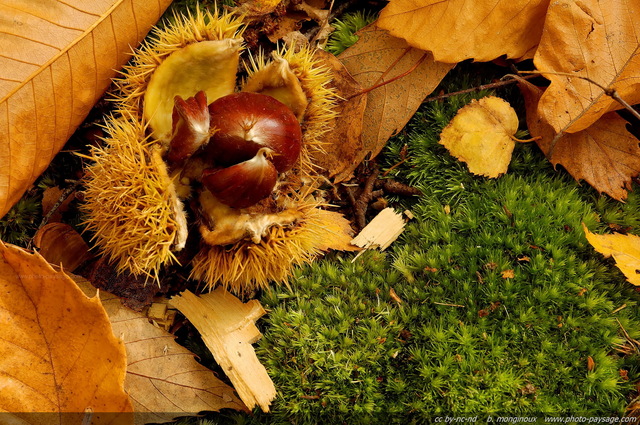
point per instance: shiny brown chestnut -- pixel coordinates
(190, 127)
(247, 122)
(244, 184)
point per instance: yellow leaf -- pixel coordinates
(481, 134)
(594, 39)
(625, 250)
(163, 378)
(456, 30)
(56, 59)
(57, 350)
(228, 329)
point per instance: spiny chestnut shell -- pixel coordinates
(246, 122)
(243, 184)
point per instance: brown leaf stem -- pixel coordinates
(612, 93)
(489, 86)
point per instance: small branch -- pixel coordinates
(611, 92)
(64, 195)
(449, 305)
(397, 188)
(365, 197)
(490, 86)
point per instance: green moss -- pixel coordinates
(503, 303)
(344, 35)
(20, 223)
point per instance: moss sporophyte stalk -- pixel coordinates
(187, 154)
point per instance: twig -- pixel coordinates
(63, 196)
(478, 88)
(362, 202)
(611, 92)
(397, 188)
(450, 305)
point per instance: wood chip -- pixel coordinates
(381, 232)
(227, 326)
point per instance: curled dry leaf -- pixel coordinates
(594, 40)
(57, 350)
(605, 155)
(482, 135)
(625, 250)
(60, 244)
(57, 58)
(456, 30)
(347, 149)
(378, 57)
(163, 378)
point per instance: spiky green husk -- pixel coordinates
(184, 30)
(129, 200)
(135, 215)
(246, 266)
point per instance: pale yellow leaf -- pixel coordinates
(625, 250)
(482, 135)
(56, 60)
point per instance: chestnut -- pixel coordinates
(190, 127)
(247, 122)
(245, 184)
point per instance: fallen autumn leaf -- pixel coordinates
(58, 353)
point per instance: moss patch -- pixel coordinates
(504, 303)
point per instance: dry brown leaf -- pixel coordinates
(378, 57)
(605, 155)
(625, 250)
(456, 30)
(482, 135)
(256, 8)
(594, 39)
(56, 60)
(163, 378)
(60, 244)
(57, 350)
(228, 329)
(347, 150)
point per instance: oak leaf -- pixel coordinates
(456, 30)
(482, 135)
(58, 353)
(163, 378)
(605, 155)
(594, 39)
(376, 58)
(625, 250)
(56, 59)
